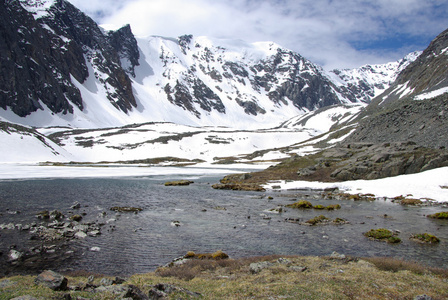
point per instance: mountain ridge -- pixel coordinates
(85, 76)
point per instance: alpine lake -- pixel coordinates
(177, 219)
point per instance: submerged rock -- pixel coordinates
(126, 209)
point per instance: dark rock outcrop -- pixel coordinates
(40, 54)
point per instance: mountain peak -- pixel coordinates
(68, 70)
(39, 8)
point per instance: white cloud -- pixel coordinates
(324, 31)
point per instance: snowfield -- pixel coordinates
(431, 185)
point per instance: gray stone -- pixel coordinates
(76, 205)
(336, 255)
(14, 255)
(257, 267)
(80, 235)
(94, 233)
(284, 261)
(52, 280)
(106, 281)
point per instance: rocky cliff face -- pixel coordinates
(46, 44)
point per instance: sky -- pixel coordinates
(333, 34)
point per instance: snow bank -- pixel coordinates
(427, 184)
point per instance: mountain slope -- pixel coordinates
(62, 69)
(428, 73)
(415, 107)
(21, 144)
(46, 46)
(369, 81)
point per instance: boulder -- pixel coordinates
(14, 255)
(336, 255)
(80, 235)
(255, 268)
(52, 280)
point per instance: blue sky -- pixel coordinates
(331, 33)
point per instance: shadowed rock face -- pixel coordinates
(40, 56)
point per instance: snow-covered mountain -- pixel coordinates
(369, 81)
(62, 69)
(424, 78)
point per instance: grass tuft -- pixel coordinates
(440, 215)
(382, 234)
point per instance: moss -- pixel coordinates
(382, 234)
(440, 215)
(317, 220)
(219, 255)
(340, 221)
(333, 207)
(190, 254)
(394, 240)
(319, 206)
(411, 202)
(300, 204)
(425, 238)
(76, 218)
(178, 182)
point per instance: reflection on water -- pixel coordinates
(211, 220)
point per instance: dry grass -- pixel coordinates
(395, 265)
(324, 278)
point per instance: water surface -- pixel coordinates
(236, 222)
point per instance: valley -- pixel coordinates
(120, 153)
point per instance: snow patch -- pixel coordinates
(422, 185)
(39, 8)
(432, 94)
